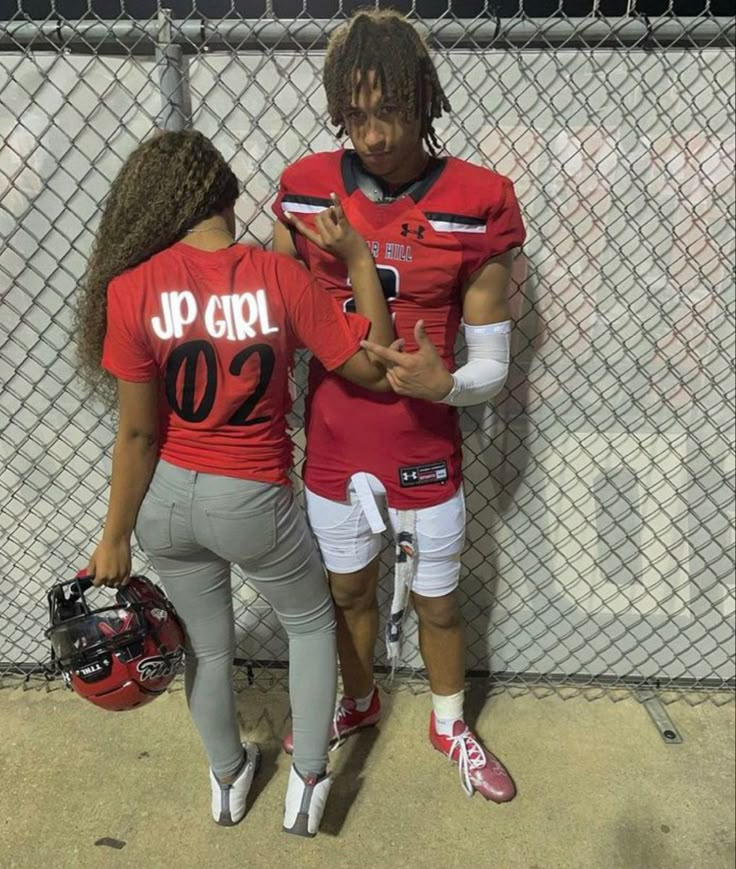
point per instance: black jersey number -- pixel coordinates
(267, 360)
(186, 359)
(389, 278)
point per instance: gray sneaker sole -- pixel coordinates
(301, 827)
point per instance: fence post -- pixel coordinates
(176, 110)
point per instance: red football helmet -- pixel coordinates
(117, 656)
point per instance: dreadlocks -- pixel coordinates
(384, 41)
(167, 185)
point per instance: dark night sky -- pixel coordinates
(141, 9)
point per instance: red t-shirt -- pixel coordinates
(426, 245)
(219, 330)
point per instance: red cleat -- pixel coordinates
(479, 769)
(347, 720)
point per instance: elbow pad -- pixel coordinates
(485, 372)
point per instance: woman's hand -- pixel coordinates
(110, 563)
(334, 233)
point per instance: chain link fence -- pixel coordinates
(600, 483)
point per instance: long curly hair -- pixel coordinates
(166, 186)
(384, 41)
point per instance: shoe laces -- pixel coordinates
(341, 711)
(470, 757)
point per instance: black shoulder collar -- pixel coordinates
(355, 177)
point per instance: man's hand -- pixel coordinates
(334, 233)
(421, 374)
(110, 563)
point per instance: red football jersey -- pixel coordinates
(426, 244)
(219, 329)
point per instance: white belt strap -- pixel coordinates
(367, 500)
(405, 565)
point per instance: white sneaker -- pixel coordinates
(228, 801)
(305, 803)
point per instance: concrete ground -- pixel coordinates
(598, 789)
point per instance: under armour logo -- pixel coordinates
(406, 230)
(409, 475)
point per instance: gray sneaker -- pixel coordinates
(229, 801)
(305, 803)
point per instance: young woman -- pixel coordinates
(192, 336)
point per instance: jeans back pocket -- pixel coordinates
(153, 525)
(242, 536)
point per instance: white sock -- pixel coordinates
(447, 710)
(362, 703)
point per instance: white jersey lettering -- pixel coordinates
(234, 317)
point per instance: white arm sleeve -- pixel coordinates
(485, 372)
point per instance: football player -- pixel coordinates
(441, 231)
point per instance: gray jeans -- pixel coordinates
(193, 527)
